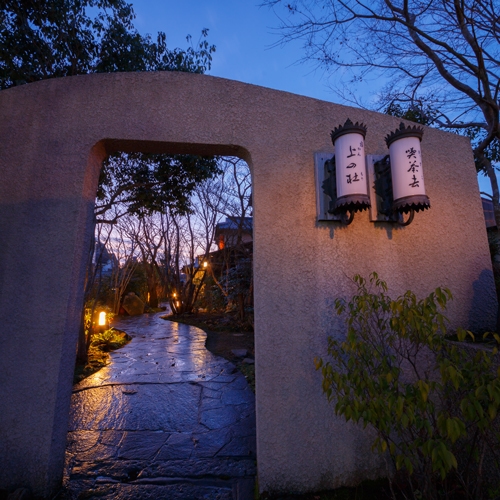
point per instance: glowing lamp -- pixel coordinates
(102, 318)
(205, 264)
(351, 180)
(408, 186)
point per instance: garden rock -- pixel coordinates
(239, 353)
(133, 305)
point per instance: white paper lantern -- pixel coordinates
(406, 169)
(351, 179)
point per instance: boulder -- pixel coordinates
(133, 305)
(239, 353)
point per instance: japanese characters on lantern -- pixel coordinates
(406, 169)
(352, 187)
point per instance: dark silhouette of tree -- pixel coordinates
(42, 39)
(142, 184)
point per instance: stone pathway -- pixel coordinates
(165, 420)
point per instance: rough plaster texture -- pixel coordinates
(53, 138)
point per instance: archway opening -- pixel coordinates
(168, 238)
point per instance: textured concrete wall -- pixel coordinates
(53, 137)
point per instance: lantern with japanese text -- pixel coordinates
(351, 179)
(406, 169)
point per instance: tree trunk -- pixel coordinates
(241, 306)
(81, 350)
(153, 294)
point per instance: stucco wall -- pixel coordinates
(53, 136)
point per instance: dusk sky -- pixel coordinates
(244, 34)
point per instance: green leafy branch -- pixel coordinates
(433, 403)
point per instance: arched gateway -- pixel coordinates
(53, 138)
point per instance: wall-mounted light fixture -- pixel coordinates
(391, 186)
(408, 189)
(347, 184)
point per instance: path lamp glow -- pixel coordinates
(351, 179)
(408, 187)
(102, 321)
(102, 318)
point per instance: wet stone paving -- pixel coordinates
(166, 419)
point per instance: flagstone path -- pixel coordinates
(166, 419)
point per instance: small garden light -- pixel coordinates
(102, 321)
(102, 318)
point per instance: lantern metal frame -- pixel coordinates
(329, 187)
(383, 203)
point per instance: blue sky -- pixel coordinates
(244, 34)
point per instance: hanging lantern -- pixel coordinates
(351, 179)
(406, 170)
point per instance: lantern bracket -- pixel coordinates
(380, 179)
(329, 187)
(326, 187)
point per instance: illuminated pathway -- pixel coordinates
(165, 419)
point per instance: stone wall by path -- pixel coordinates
(53, 138)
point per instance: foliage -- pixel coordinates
(211, 297)
(54, 38)
(98, 357)
(238, 279)
(432, 403)
(423, 113)
(146, 183)
(109, 340)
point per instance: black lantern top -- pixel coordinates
(348, 128)
(404, 131)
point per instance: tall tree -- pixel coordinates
(233, 274)
(42, 39)
(445, 50)
(448, 50)
(145, 183)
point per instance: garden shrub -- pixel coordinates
(433, 403)
(110, 340)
